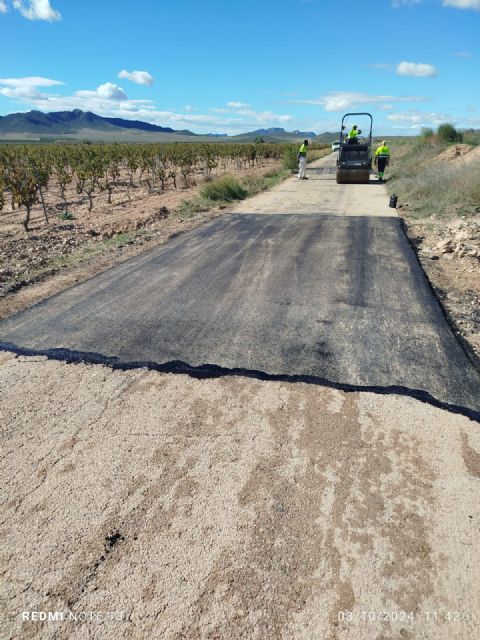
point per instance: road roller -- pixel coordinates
(354, 162)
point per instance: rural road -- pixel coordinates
(324, 483)
(340, 299)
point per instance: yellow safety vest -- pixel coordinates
(382, 151)
(353, 133)
(303, 149)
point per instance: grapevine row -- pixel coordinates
(27, 170)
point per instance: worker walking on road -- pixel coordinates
(354, 132)
(382, 158)
(302, 161)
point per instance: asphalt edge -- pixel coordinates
(206, 371)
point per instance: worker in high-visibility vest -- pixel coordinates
(382, 158)
(302, 161)
(354, 132)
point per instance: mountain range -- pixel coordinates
(67, 122)
(78, 124)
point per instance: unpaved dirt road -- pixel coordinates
(233, 507)
(321, 194)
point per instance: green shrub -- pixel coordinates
(254, 184)
(290, 159)
(426, 133)
(188, 208)
(226, 189)
(66, 215)
(447, 133)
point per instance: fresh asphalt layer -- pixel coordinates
(338, 300)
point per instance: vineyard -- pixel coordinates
(70, 210)
(28, 171)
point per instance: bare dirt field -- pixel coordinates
(147, 505)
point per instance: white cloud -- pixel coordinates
(25, 88)
(3, 7)
(462, 54)
(139, 77)
(254, 117)
(472, 122)
(419, 118)
(25, 93)
(462, 4)
(110, 100)
(263, 117)
(30, 81)
(238, 105)
(107, 91)
(342, 101)
(37, 10)
(111, 91)
(417, 69)
(457, 4)
(412, 121)
(188, 108)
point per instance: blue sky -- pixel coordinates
(239, 65)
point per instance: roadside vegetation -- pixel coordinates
(315, 152)
(228, 189)
(429, 180)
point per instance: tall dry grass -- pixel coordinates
(431, 186)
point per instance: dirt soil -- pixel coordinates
(449, 251)
(232, 508)
(459, 153)
(86, 258)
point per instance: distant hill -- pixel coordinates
(73, 122)
(275, 134)
(327, 137)
(58, 122)
(143, 126)
(85, 125)
(278, 131)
